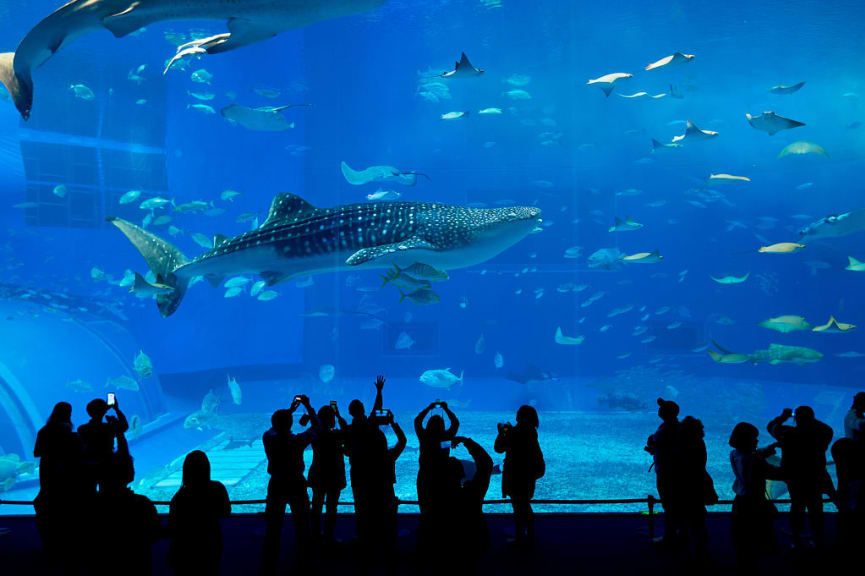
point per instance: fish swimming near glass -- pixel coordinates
(299, 239)
(248, 23)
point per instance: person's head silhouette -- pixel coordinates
(435, 426)
(61, 414)
(326, 417)
(668, 411)
(196, 469)
(804, 416)
(281, 420)
(527, 417)
(97, 409)
(859, 401)
(692, 429)
(356, 410)
(744, 437)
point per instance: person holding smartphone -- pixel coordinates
(327, 471)
(98, 435)
(287, 485)
(433, 498)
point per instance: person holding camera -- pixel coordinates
(803, 463)
(433, 500)
(753, 514)
(97, 437)
(524, 465)
(287, 485)
(664, 447)
(327, 471)
(469, 527)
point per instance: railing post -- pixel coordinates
(651, 502)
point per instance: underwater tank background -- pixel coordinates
(583, 158)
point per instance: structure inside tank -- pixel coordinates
(490, 203)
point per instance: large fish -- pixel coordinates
(835, 225)
(298, 239)
(249, 21)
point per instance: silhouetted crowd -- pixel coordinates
(685, 487)
(85, 474)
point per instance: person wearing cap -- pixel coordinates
(98, 437)
(663, 445)
(854, 421)
(803, 463)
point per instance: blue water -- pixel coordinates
(568, 150)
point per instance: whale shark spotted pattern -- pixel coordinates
(299, 239)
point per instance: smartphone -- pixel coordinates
(446, 445)
(333, 405)
(382, 413)
(111, 398)
(297, 399)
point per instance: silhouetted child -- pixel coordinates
(435, 442)
(125, 524)
(803, 462)
(327, 471)
(61, 486)
(697, 486)
(753, 513)
(663, 445)
(287, 485)
(193, 519)
(523, 466)
(98, 436)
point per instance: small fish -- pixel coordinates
(420, 296)
(490, 111)
(498, 360)
(573, 252)
(518, 80)
(161, 220)
(129, 197)
(97, 275)
(229, 195)
(626, 225)
(560, 338)
(174, 230)
(203, 96)
(403, 341)
(202, 240)
(662, 310)
(233, 292)
(122, 383)
(383, 195)
(518, 95)
(203, 108)
(421, 271)
(235, 391)
(257, 288)
(60, 191)
(648, 339)
(155, 203)
(850, 354)
(785, 324)
(142, 365)
(673, 325)
(201, 76)
(717, 178)
(454, 115)
(480, 345)
(82, 92)
(440, 378)
(79, 385)
(267, 92)
(326, 372)
(781, 248)
(268, 295)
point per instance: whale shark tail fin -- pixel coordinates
(163, 258)
(20, 87)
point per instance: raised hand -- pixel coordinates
(379, 382)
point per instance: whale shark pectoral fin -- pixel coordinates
(126, 21)
(273, 278)
(369, 254)
(242, 32)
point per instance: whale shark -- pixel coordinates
(299, 239)
(835, 225)
(248, 22)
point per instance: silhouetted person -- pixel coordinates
(854, 421)
(803, 462)
(850, 469)
(327, 471)
(467, 525)
(287, 485)
(383, 504)
(61, 486)
(361, 437)
(193, 519)
(125, 524)
(751, 521)
(697, 487)
(435, 443)
(524, 465)
(98, 436)
(663, 445)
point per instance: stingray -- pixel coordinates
(379, 174)
(781, 89)
(772, 123)
(694, 133)
(676, 58)
(261, 119)
(607, 81)
(463, 69)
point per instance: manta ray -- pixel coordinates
(772, 123)
(299, 239)
(248, 22)
(379, 174)
(835, 225)
(463, 69)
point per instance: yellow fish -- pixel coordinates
(643, 258)
(834, 327)
(781, 248)
(785, 324)
(728, 178)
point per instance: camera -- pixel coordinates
(382, 417)
(298, 399)
(333, 405)
(446, 445)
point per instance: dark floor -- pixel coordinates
(566, 544)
